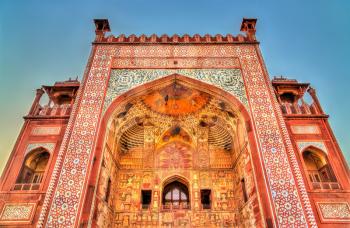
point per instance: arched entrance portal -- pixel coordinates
(176, 153)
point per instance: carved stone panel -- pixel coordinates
(334, 210)
(54, 130)
(19, 212)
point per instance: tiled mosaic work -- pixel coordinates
(17, 212)
(287, 203)
(318, 144)
(68, 193)
(305, 129)
(46, 130)
(123, 80)
(338, 210)
(49, 146)
(271, 139)
(62, 151)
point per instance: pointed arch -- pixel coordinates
(175, 192)
(318, 169)
(175, 177)
(317, 151)
(33, 169)
(319, 145)
(117, 106)
(175, 132)
(167, 80)
(48, 146)
(120, 105)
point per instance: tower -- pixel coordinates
(27, 174)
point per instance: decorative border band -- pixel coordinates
(175, 62)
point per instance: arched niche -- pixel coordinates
(33, 169)
(318, 169)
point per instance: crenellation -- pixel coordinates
(185, 39)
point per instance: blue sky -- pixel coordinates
(46, 41)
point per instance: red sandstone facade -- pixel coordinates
(109, 152)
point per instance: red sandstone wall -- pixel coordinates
(330, 206)
(46, 133)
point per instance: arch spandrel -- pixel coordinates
(47, 146)
(117, 96)
(122, 80)
(303, 145)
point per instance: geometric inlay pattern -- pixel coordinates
(318, 144)
(275, 149)
(305, 129)
(338, 210)
(159, 62)
(71, 179)
(15, 212)
(49, 146)
(122, 80)
(46, 130)
(274, 152)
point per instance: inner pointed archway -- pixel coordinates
(177, 127)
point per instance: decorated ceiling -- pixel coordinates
(174, 120)
(176, 99)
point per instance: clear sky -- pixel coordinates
(46, 41)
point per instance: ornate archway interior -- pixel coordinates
(176, 131)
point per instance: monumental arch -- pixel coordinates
(180, 131)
